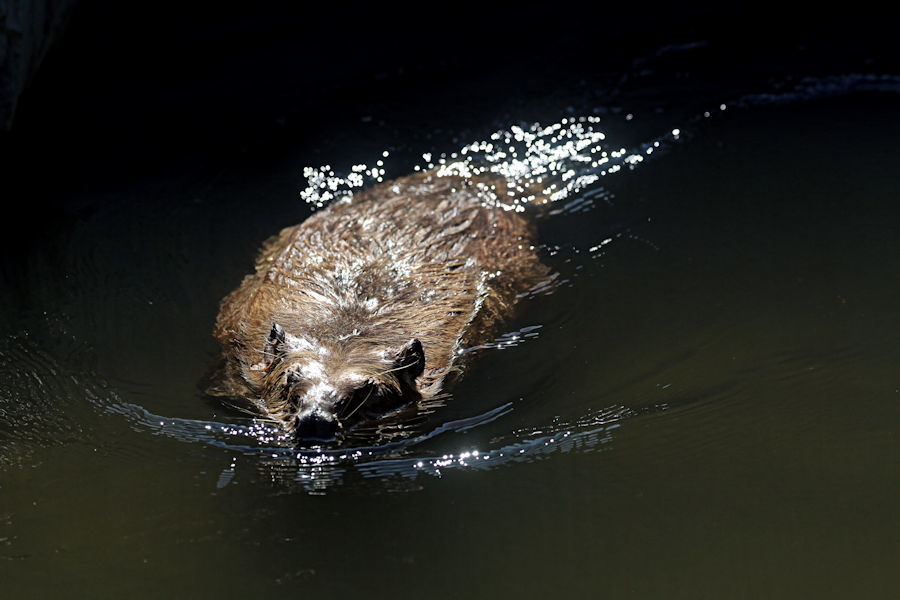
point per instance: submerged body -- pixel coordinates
(362, 308)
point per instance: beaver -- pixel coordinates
(363, 308)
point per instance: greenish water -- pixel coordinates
(706, 406)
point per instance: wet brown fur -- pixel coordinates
(418, 257)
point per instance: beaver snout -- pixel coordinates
(316, 425)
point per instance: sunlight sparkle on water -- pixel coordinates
(538, 164)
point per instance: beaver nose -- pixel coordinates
(316, 426)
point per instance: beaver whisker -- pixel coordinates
(268, 419)
(366, 399)
(380, 373)
(240, 408)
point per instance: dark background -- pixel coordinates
(168, 91)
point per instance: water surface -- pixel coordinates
(703, 404)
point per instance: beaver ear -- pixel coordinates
(411, 358)
(274, 344)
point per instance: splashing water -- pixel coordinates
(538, 163)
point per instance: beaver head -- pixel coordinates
(315, 390)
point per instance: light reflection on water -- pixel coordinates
(563, 161)
(549, 162)
(318, 468)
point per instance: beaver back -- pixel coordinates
(423, 257)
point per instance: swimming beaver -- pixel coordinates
(362, 308)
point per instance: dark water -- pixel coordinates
(704, 405)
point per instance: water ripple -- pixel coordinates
(317, 469)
